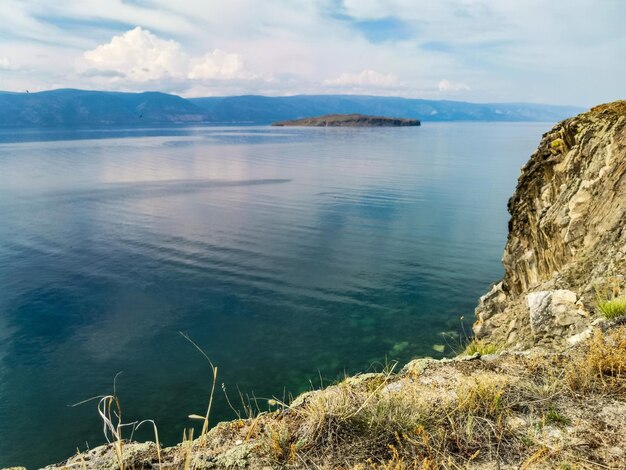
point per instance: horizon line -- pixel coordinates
(27, 92)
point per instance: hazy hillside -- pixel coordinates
(68, 107)
(264, 110)
(78, 107)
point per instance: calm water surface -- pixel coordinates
(288, 255)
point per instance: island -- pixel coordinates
(349, 120)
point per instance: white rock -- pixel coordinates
(583, 335)
(552, 311)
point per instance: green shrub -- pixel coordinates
(612, 308)
(555, 417)
(481, 347)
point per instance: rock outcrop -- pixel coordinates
(567, 234)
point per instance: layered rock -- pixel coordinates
(567, 234)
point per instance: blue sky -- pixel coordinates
(550, 51)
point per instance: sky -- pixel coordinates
(544, 51)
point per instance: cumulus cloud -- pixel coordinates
(219, 65)
(140, 56)
(364, 78)
(448, 86)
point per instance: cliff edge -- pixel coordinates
(567, 236)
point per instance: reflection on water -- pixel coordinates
(149, 189)
(288, 254)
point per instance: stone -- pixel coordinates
(136, 455)
(463, 358)
(539, 306)
(235, 457)
(361, 379)
(516, 423)
(578, 338)
(555, 313)
(393, 387)
(303, 398)
(494, 297)
(490, 357)
(417, 366)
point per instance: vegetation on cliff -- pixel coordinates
(509, 410)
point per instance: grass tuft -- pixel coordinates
(481, 347)
(610, 303)
(612, 308)
(553, 416)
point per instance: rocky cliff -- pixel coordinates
(567, 235)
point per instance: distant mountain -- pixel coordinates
(67, 107)
(78, 107)
(265, 110)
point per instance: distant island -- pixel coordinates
(349, 120)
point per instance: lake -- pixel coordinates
(291, 256)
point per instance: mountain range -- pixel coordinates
(68, 107)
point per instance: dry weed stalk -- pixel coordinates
(186, 449)
(109, 410)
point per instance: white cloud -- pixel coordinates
(448, 86)
(219, 65)
(364, 78)
(140, 56)
(499, 47)
(5, 64)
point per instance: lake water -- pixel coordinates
(291, 256)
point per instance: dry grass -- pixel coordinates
(186, 450)
(394, 428)
(399, 424)
(511, 410)
(110, 412)
(601, 366)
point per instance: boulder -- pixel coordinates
(555, 314)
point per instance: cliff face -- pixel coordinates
(567, 234)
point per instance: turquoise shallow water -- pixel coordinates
(290, 255)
